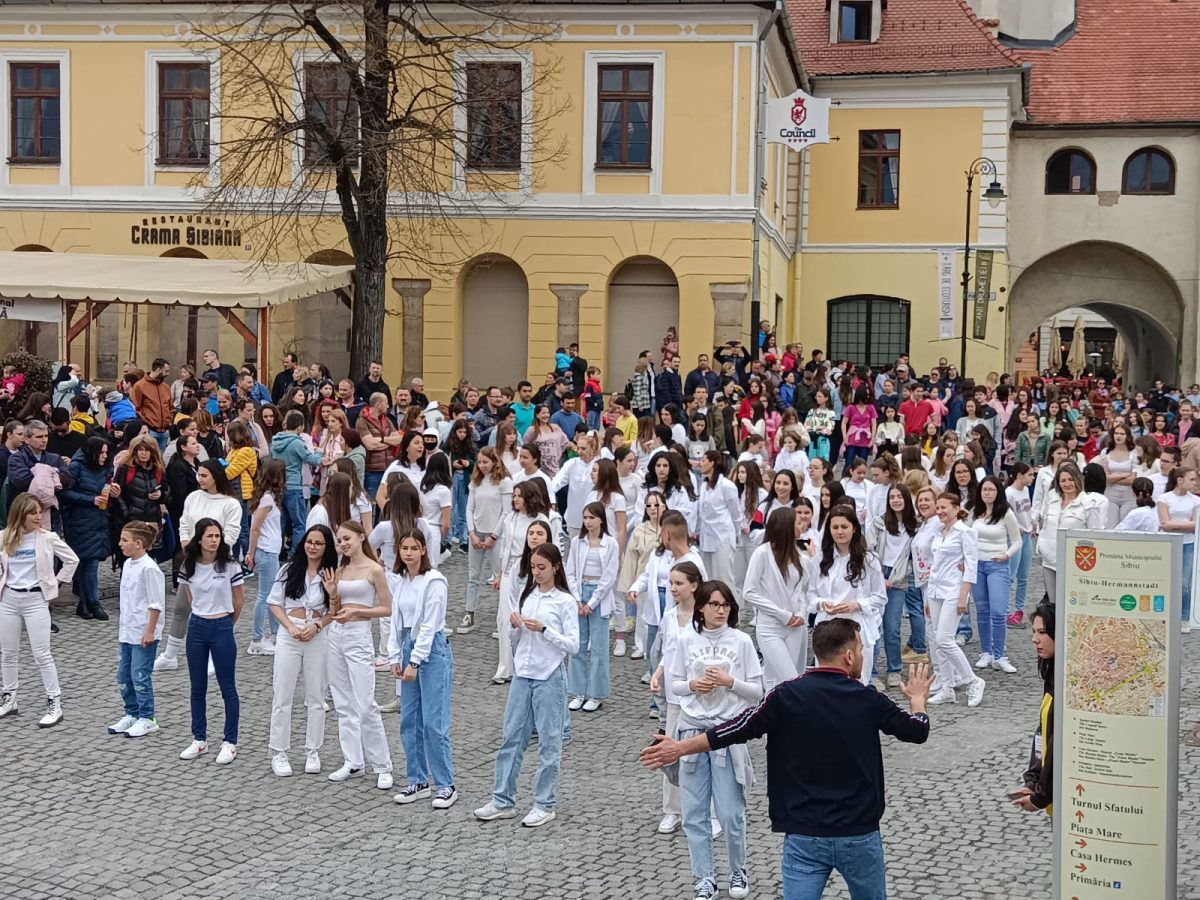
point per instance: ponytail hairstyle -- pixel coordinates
(780, 535)
(691, 572)
(549, 553)
(856, 567)
(1143, 491)
(1018, 469)
(145, 533)
(355, 528)
(595, 509)
(953, 498)
(886, 463)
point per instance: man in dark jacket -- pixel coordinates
(701, 375)
(372, 384)
(283, 380)
(825, 786)
(21, 463)
(578, 369)
(667, 387)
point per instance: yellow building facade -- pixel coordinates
(576, 250)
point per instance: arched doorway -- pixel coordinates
(1121, 285)
(495, 322)
(643, 302)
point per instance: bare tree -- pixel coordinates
(364, 112)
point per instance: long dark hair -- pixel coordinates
(295, 575)
(414, 534)
(717, 458)
(836, 494)
(192, 554)
(271, 479)
(407, 442)
(857, 566)
(907, 517)
(549, 553)
(972, 486)
(999, 505)
(596, 509)
(780, 536)
(437, 471)
(91, 452)
(523, 570)
(1045, 612)
(748, 491)
(220, 479)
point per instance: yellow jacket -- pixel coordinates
(242, 464)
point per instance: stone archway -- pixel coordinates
(1125, 287)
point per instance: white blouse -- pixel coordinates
(954, 560)
(835, 586)
(769, 592)
(719, 511)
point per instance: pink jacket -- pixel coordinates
(48, 546)
(45, 485)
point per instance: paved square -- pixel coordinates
(87, 815)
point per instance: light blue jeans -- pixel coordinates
(266, 567)
(991, 605)
(1018, 570)
(531, 703)
(587, 675)
(808, 862)
(135, 671)
(893, 615)
(458, 508)
(425, 714)
(707, 782)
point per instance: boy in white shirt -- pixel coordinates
(143, 599)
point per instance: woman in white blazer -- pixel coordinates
(592, 567)
(776, 582)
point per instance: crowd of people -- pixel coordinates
(824, 503)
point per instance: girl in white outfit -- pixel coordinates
(849, 580)
(720, 517)
(358, 592)
(400, 515)
(27, 585)
(299, 603)
(528, 506)
(488, 503)
(685, 580)
(1065, 506)
(954, 561)
(592, 577)
(576, 476)
(775, 587)
(748, 480)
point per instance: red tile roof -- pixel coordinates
(915, 36)
(1129, 62)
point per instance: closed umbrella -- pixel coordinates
(1119, 354)
(1055, 361)
(1077, 359)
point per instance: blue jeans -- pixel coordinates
(593, 419)
(964, 626)
(425, 714)
(914, 605)
(371, 483)
(162, 438)
(707, 782)
(243, 541)
(295, 514)
(991, 605)
(458, 509)
(893, 615)
(659, 596)
(852, 453)
(587, 675)
(215, 637)
(1018, 570)
(531, 703)
(266, 567)
(808, 862)
(135, 669)
(87, 580)
(1189, 553)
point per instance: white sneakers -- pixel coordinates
(537, 817)
(312, 764)
(618, 648)
(165, 663)
(53, 714)
(142, 727)
(194, 749)
(260, 648)
(490, 812)
(280, 765)
(345, 772)
(8, 704)
(985, 660)
(945, 695)
(1004, 665)
(670, 824)
(384, 781)
(975, 691)
(576, 704)
(122, 725)
(590, 705)
(228, 753)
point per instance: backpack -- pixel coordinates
(131, 473)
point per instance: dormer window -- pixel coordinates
(854, 21)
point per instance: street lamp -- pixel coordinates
(993, 195)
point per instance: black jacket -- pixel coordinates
(136, 485)
(180, 481)
(824, 762)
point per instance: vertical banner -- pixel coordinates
(1116, 715)
(945, 294)
(983, 290)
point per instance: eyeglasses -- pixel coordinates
(712, 605)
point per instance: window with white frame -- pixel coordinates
(183, 113)
(34, 103)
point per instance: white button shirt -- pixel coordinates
(537, 655)
(954, 561)
(835, 585)
(719, 511)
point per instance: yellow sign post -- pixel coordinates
(1116, 748)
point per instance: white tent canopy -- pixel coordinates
(165, 280)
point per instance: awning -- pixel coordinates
(165, 280)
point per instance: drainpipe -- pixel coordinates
(760, 163)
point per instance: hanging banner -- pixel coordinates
(945, 294)
(30, 309)
(1116, 715)
(983, 288)
(798, 120)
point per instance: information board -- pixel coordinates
(1116, 715)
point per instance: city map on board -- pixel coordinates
(1117, 666)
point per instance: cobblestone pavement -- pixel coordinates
(88, 815)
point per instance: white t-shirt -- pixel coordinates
(270, 535)
(433, 502)
(360, 507)
(1022, 507)
(615, 504)
(1141, 518)
(22, 565)
(212, 591)
(1179, 508)
(143, 588)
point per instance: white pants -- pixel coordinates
(949, 662)
(30, 610)
(291, 656)
(868, 656)
(719, 565)
(504, 669)
(784, 650)
(741, 562)
(352, 682)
